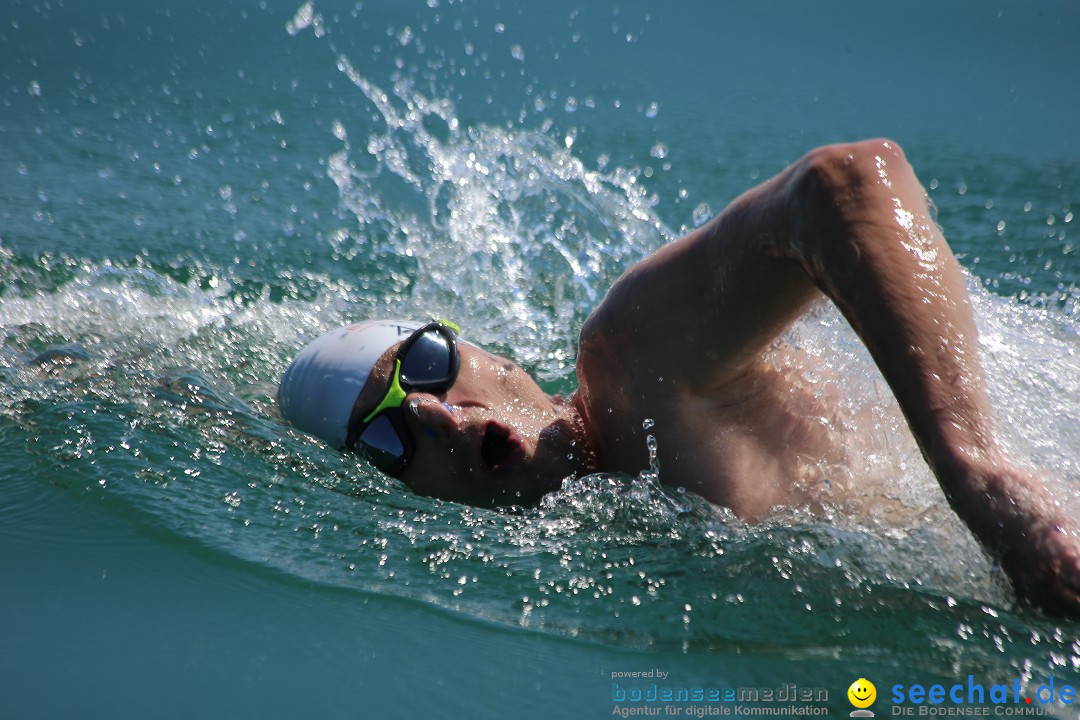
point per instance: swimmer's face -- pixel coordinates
(494, 438)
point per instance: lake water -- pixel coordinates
(189, 192)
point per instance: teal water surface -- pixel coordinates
(189, 193)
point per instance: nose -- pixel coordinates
(433, 416)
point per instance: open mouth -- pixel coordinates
(500, 448)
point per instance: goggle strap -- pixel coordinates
(451, 325)
(395, 396)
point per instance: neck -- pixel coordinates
(564, 449)
(582, 429)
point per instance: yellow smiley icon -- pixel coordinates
(862, 693)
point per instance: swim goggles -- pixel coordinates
(428, 361)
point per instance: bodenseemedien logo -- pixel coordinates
(862, 694)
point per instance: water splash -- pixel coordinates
(503, 228)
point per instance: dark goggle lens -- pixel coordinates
(380, 443)
(428, 363)
(427, 360)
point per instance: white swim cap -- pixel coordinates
(320, 387)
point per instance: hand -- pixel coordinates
(1010, 510)
(1044, 566)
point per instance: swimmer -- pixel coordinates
(681, 339)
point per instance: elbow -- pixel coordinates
(838, 172)
(836, 187)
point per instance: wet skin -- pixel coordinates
(682, 339)
(494, 438)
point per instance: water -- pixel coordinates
(188, 194)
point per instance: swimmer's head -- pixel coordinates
(319, 389)
(478, 431)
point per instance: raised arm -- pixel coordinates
(852, 222)
(861, 227)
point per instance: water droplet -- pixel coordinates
(654, 461)
(517, 53)
(301, 20)
(701, 215)
(648, 424)
(35, 88)
(652, 111)
(659, 151)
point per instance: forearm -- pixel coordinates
(860, 224)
